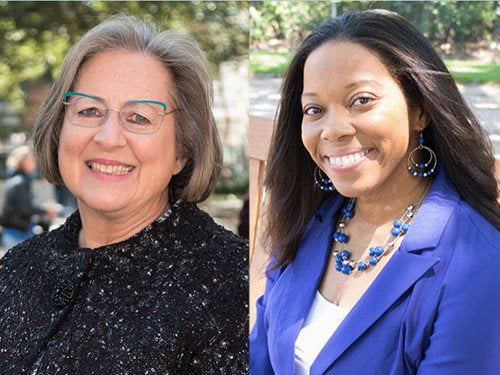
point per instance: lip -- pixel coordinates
(347, 159)
(107, 162)
(116, 170)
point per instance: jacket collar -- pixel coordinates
(406, 266)
(433, 216)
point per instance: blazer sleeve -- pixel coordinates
(466, 335)
(260, 363)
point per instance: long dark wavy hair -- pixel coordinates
(461, 145)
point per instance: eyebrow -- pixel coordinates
(349, 86)
(362, 82)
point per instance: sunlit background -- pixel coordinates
(465, 33)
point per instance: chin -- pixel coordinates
(103, 204)
(354, 189)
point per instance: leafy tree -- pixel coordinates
(35, 36)
(289, 22)
(454, 24)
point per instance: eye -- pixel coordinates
(312, 110)
(361, 100)
(90, 112)
(138, 119)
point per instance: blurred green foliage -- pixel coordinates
(456, 24)
(269, 63)
(236, 184)
(288, 21)
(471, 71)
(35, 36)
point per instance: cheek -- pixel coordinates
(71, 145)
(65, 148)
(387, 128)
(310, 138)
(159, 152)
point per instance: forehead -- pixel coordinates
(119, 75)
(342, 63)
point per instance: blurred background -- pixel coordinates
(35, 37)
(465, 33)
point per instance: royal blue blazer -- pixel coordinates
(434, 308)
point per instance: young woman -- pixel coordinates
(383, 213)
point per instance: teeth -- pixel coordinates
(110, 169)
(342, 161)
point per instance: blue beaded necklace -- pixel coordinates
(342, 257)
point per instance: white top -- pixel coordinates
(321, 322)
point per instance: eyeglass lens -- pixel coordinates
(137, 117)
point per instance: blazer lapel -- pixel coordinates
(406, 267)
(400, 273)
(301, 279)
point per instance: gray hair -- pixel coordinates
(196, 133)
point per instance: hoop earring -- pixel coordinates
(321, 182)
(422, 170)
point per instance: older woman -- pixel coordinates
(383, 213)
(138, 280)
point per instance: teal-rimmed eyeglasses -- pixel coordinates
(136, 116)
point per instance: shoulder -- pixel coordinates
(473, 242)
(202, 245)
(467, 234)
(29, 251)
(201, 229)
(35, 252)
(219, 257)
(467, 250)
(22, 266)
(452, 227)
(471, 223)
(15, 181)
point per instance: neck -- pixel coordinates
(104, 228)
(383, 207)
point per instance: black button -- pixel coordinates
(63, 293)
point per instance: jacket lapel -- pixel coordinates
(400, 273)
(301, 279)
(406, 267)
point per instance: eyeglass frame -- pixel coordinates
(119, 111)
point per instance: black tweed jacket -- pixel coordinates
(172, 299)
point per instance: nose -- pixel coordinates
(110, 134)
(337, 126)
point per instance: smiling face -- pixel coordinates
(111, 170)
(357, 125)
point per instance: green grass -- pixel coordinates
(469, 71)
(464, 71)
(269, 63)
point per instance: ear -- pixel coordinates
(418, 119)
(180, 162)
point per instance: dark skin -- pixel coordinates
(359, 130)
